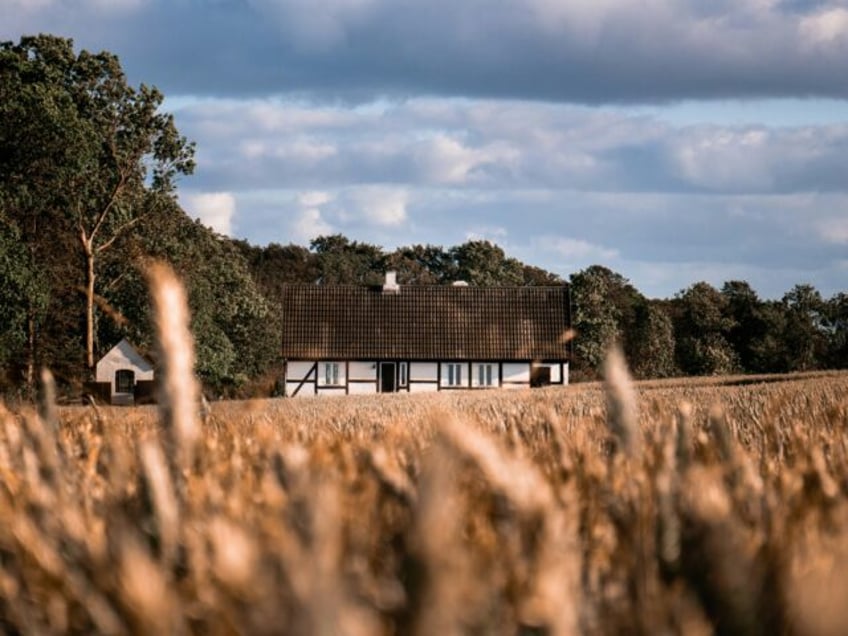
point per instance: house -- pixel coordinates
(123, 374)
(346, 339)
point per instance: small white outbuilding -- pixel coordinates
(123, 367)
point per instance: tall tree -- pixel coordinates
(484, 264)
(702, 325)
(421, 265)
(107, 145)
(604, 305)
(650, 341)
(837, 317)
(804, 336)
(341, 261)
(744, 307)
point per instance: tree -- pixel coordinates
(837, 317)
(745, 309)
(804, 335)
(345, 262)
(236, 331)
(275, 265)
(537, 276)
(23, 300)
(650, 343)
(702, 324)
(603, 304)
(421, 265)
(107, 146)
(484, 264)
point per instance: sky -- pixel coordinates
(673, 141)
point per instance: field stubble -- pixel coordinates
(680, 507)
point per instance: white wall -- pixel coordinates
(298, 370)
(565, 369)
(122, 356)
(362, 388)
(308, 389)
(424, 371)
(323, 392)
(516, 372)
(363, 371)
(423, 388)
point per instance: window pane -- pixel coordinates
(458, 374)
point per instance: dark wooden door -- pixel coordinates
(388, 377)
(540, 376)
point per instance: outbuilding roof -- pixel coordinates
(347, 322)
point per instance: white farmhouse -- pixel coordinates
(123, 367)
(347, 339)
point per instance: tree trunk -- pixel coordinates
(89, 305)
(30, 361)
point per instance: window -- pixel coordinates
(331, 374)
(453, 374)
(402, 380)
(124, 381)
(485, 375)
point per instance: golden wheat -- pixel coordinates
(489, 512)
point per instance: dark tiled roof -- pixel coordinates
(425, 323)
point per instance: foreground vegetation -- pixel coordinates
(547, 511)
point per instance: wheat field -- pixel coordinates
(492, 512)
(678, 507)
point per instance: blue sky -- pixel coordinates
(671, 140)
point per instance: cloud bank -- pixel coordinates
(581, 51)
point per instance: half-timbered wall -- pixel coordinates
(310, 378)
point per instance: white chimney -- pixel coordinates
(391, 285)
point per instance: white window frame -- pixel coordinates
(403, 375)
(485, 374)
(453, 377)
(331, 374)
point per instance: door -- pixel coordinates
(540, 376)
(388, 377)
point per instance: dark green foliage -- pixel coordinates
(81, 149)
(236, 331)
(604, 305)
(703, 324)
(650, 345)
(483, 264)
(804, 336)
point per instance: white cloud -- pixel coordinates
(215, 209)
(494, 234)
(309, 224)
(834, 230)
(577, 250)
(314, 198)
(444, 159)
(825, 27)
(380, 205)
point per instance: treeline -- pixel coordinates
(701, 331)
(88, 167)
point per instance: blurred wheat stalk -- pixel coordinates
(593, 510)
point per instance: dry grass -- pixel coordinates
(679, 507)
